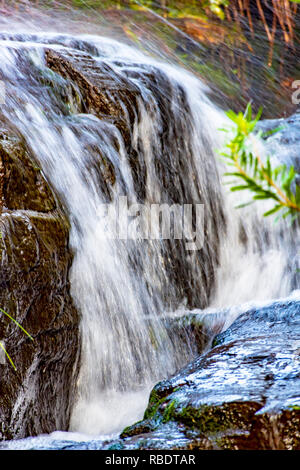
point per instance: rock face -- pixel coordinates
(113, 94)
(241, 394)
(35, 261)
(103, 92)
(35, 258)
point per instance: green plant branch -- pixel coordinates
(7, 355)
(263, 180)
(24, 331)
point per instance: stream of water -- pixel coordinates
(122, 288)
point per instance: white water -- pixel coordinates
(121, 287)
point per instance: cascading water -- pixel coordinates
(162, 152)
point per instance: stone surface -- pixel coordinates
(120, 94)
(24, 186)
(35, 262)
(244, 393)
(103, 92)
(284, 144)
(195, 329)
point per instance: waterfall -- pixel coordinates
(162, 151)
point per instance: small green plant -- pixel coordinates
(260, 177)
(216, 7)
(17, 323)
(21, 327)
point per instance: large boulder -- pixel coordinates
(120, 93)
(243, 393)
(35, 261)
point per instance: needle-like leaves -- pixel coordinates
(260, 177)
(21, 327)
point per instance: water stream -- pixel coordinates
(122, 288)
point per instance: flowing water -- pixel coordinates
(124, 287)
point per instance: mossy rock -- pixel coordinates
(243, 393)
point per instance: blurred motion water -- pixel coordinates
(123, 287)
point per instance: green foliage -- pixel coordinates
(172, 7)
(98, 4)
(216, 6)
(260, 177)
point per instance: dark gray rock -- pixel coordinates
(35, 261)
(244, 393)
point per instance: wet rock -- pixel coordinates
(241, 394)
(24, 186)
(195, 329)
(104, 93)
(35, 261)
(115, 95)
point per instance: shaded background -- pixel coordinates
(243, 49)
